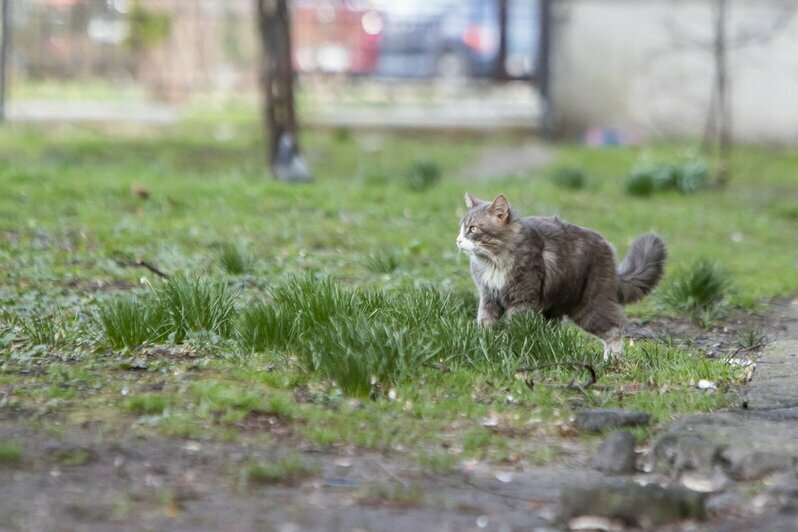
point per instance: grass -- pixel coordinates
(383, 261)
(179, 308)
(148, 404)
(569, 177)
(233, 260)
(51, 331)
(422, 175)
(698, 291)
(10, 453)
(348, 319)
(287, 469)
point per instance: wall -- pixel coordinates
(646, 66)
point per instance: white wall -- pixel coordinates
(646, 66)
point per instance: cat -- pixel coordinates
(554, 268)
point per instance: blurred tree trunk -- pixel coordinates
(501, 57)
(277, 85)
(718, 133)
(5, 45)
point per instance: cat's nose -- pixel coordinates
(458, 240)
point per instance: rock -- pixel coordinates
(756, 465)
(676, 453)
(616, 454)
(632, 504)
(600, 419)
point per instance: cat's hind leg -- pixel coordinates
(605, 321)
(613, 343)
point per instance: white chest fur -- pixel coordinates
(492, 275)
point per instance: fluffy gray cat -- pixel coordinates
(557, 269)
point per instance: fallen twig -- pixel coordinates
(141, 262)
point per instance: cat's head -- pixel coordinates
(488, 228)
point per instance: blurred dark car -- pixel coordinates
(456, 38)
(335, 36)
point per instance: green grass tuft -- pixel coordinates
(147, 404)
(10, 453)
(233, 260)
(751, 339)
(130, 321)
(180, 307)
(51, 331)
(199, 305)
(569, 177)
(287, 469)
(423, 175)
(382, 261)
(263, 327)
(698, 292)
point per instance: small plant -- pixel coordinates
(697, 292)
(570, 177)
(233, 260)
(423, 175)
(382, 261)
(288, 469)
(147, 404)
(10, 453)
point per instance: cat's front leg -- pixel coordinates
(519, 309)
(530, 303)
(490, 311)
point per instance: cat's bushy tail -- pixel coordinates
(642, 268)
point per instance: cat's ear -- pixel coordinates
(500, 208)
(472, 201)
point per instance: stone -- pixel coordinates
(633, 505)
(757, 465)
(616, 454)
(675, 453)
(599, 419)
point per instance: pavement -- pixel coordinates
(490, 114)
(751, 449)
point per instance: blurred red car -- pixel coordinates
(336, 36)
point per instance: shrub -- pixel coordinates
(686, 177)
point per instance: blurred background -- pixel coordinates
(609, 71)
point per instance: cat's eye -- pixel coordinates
(472, 229)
